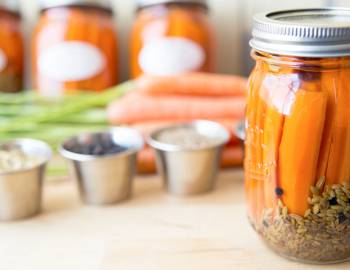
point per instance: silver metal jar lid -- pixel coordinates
(45, 4)
(146, 3)
(321, 32)
(11, 5)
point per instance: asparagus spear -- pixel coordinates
(70, 107)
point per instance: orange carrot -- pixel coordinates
(251, 142)
(148, 127)
(232, 156)
(338, 166)
(299, 149)
(259, 177)
(201, 84)
(329, 83)
(146, 161)
(344, 122)
(136, 107)
(271, 140)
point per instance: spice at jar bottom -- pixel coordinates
(322, 234)
(15, 159)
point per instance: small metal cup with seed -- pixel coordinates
(21, 188)
(190, 169)
(103, 163)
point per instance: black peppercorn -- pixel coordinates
(333, 201)
(279, 191)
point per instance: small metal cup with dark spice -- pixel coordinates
(103, 164)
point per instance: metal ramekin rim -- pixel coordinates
(153, 142)
(82, 157)
(27, 140)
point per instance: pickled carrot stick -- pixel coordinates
(299, 149)
(260, 116)
(272, 137)
(329, 83)
(250, 159)
(201, 84)
(338, 166)
(137, 107)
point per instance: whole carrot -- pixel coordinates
(137, 107)
(299, 149)
(231, 156)
(201, 84)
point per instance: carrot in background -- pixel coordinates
(299, 149)
(146, 162)
(259, 176)
(231, 156)
(202, 84)
(136, 107)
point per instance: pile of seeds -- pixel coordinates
(322, 235)
(99, 145)
(15, 159)
(187, 137)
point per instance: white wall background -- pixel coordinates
(231, 19)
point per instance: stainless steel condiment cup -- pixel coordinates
(190, 170)
(240, 133)
(21, 190)
(104, 179)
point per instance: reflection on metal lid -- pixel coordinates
(145, 3)
(105, 4)
(323, 32)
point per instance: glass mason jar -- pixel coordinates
(171, 37)
(11, 48)
(74, 47)
(297, 148)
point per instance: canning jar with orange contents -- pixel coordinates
(170, 37)
(297, 147)
(11, 48)
(74, 47)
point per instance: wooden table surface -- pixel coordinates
(153, 231)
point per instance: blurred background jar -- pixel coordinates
(171, 37)
(11, 47)
(74, 47)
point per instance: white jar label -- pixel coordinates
(71, 61)
(170, 56)
(3, 60)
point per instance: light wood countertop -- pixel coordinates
(152, 231)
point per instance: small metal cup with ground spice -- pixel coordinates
(188, 155)
(103, 163)
(22, 167)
